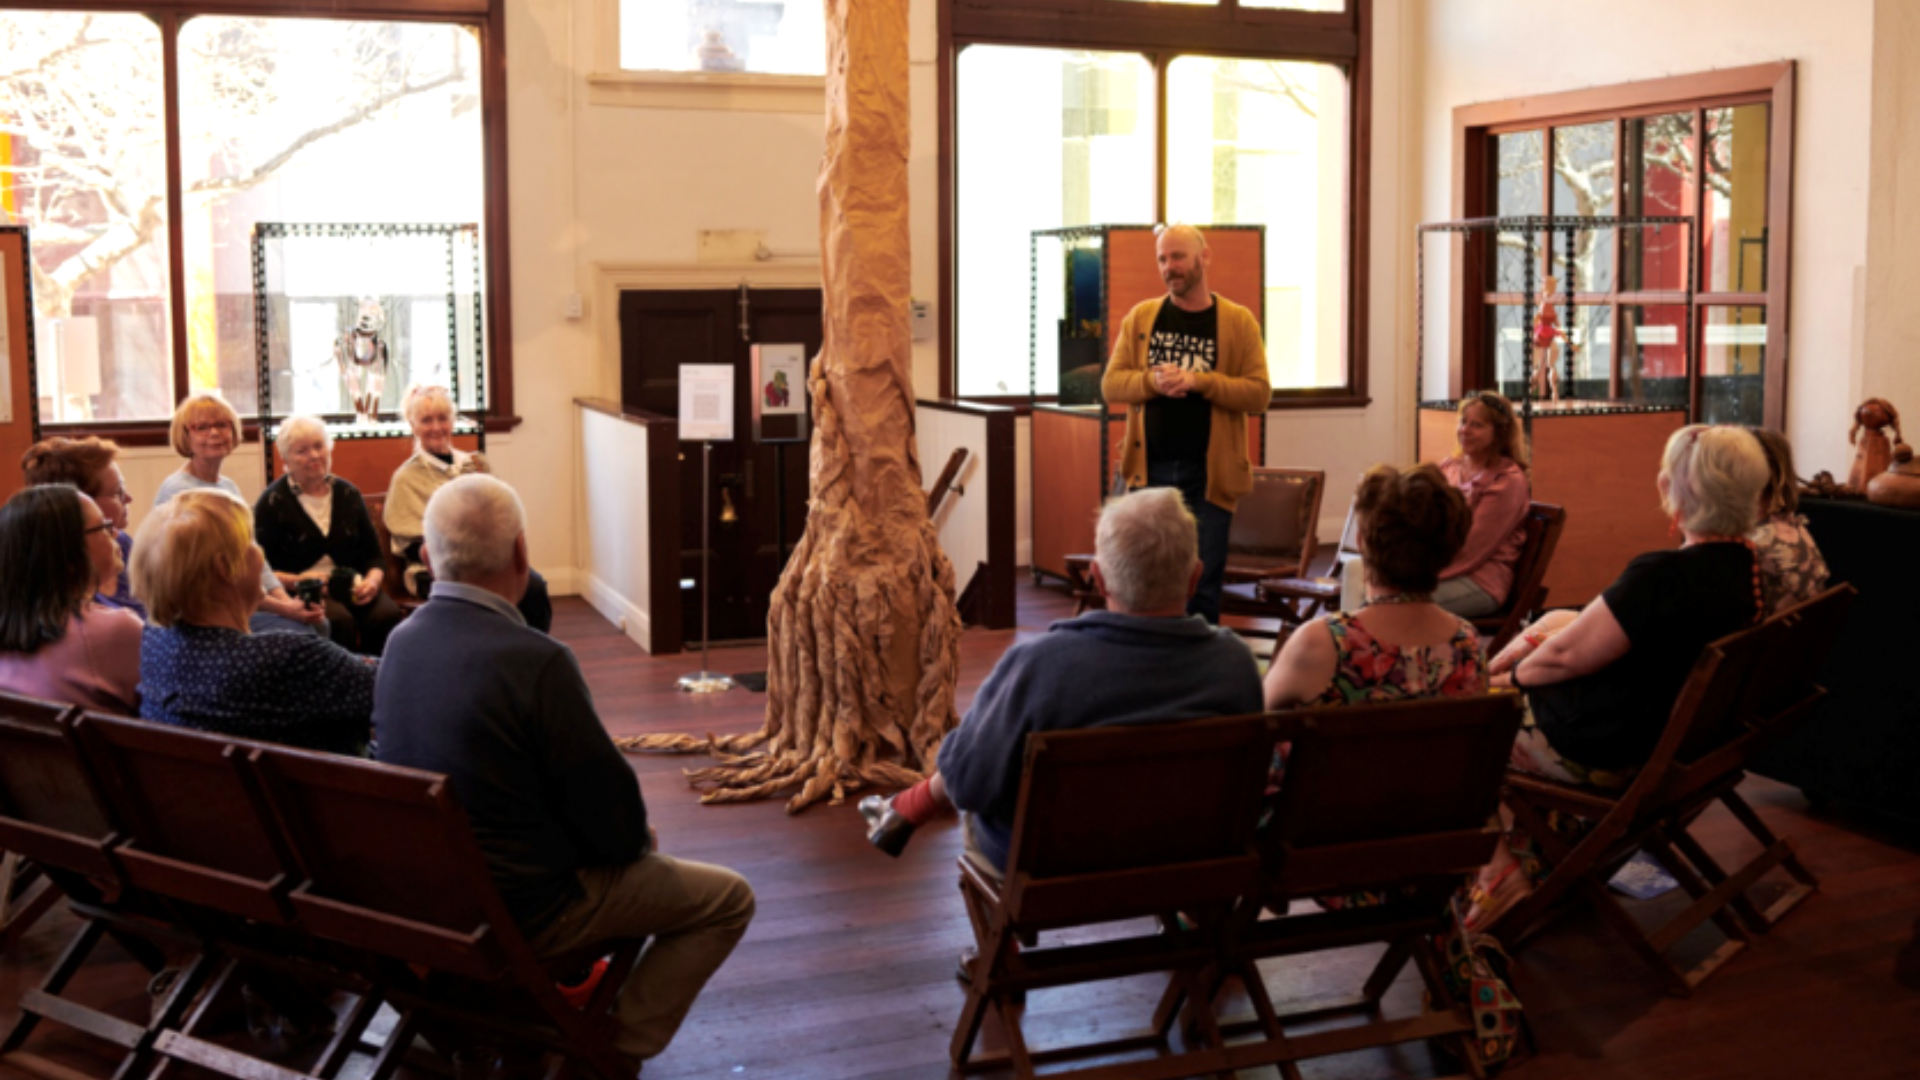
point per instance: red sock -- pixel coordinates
(916, 803)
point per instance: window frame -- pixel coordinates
(486, 18)
(1162, 33)
(1476, 130)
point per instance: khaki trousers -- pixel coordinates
(695, 914)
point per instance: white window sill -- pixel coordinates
(728, 91)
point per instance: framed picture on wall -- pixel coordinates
(780, 393)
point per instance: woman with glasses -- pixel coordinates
(205, 431)
(56, 642)
(88, 464)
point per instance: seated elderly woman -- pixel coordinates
(1401, 645)
(205, 431)
(314, 526)
(197, 569)
(1489, 466)
(435, 460)
(56, 641)
(1601, 684)
(1792, 570)
(88, 464)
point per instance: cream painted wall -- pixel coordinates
(1474, 51)
(1890, 364)
(594, 184)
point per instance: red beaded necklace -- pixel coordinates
(1759, 601)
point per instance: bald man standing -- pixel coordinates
(1190, 367)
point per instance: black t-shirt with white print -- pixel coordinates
(1180, 428)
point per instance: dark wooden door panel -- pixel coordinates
(756, 495)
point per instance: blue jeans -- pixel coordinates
(1190, 480)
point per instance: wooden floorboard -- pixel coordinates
(847, 970)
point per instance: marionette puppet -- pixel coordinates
(361, 355)
(1548, 342)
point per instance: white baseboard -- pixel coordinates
(619, 611)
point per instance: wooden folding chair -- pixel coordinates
(393, 872)
(51, 812)
(1392, 799)
(1088, 849)
(1296, 598)
(26, 892)
(1543, 524)
(198, 833)
(1276, 525)
(394, 582)
(1745, 691)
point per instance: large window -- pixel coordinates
(279, 120)
(1644, 150)
(1119, 113)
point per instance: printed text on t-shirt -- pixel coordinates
(1186, 351)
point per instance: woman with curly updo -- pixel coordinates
(1400, 645)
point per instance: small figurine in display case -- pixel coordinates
(1873, 450)
(361, 354)
(1548, 342)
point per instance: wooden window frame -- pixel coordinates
(1476, 129)
(1163, 33)
(487, 18)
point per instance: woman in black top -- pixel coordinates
(315, 526)
(1601, 684)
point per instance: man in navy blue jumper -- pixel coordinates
(1143, 660)
(469, 690)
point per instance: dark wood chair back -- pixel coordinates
(395, 582)
(1779, 663)
(194, 823)
(1543, 525)
(1275, 527)
(1383, 794)
(50, 810)
(1088, 846)
(390, 861)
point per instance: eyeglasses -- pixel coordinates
(105, 526)
(209, 428)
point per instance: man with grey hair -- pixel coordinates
(1143, 660)
(1189, 366)
(469, 690)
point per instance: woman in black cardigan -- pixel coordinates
(313, 525)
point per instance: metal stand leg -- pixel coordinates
(705, 681)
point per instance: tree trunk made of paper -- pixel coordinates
(864, 637)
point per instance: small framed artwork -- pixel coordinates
(780, 412)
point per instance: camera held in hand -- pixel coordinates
(311, 591)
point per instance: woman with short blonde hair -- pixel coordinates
(197, 568)
(1601, 684)
(314, 526)
(206, 431)
(436, 461)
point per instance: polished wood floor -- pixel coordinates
(847, 970)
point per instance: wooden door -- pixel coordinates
(755, 495)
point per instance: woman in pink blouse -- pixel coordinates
(56, 643)
(1489, 466)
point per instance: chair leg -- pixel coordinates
(1779, 849)
(69, 963)
(1714, 875)
(1616, 917)
(1392, 962)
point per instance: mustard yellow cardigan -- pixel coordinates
(1238, 385)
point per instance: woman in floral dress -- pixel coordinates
(1791, 568)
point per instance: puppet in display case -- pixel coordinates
(1548, 342)
(361, 354)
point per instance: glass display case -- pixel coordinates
(353, 315)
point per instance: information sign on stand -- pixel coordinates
(706, 403)
(706, 417)
(780, 410)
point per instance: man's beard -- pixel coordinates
(1179, 284)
